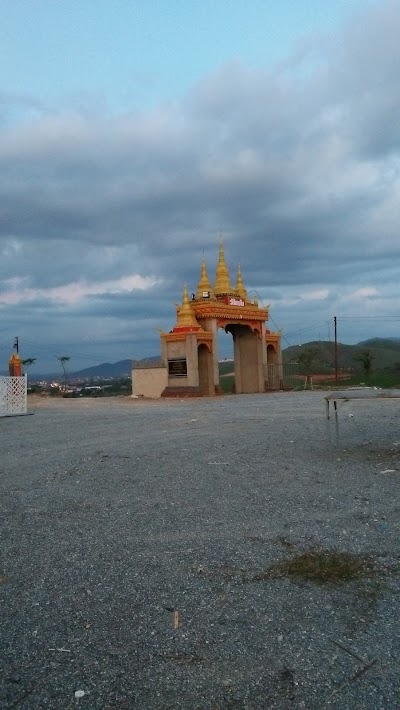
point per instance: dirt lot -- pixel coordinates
(236, 552)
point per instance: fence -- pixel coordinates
(13, 396)
(284, 376)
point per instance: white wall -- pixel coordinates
(149, 382)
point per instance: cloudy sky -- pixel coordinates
(133, 132)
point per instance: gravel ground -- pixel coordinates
(136, 539)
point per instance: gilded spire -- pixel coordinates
(222, 280)
(204, 285)
(240, 289)
(185, 315)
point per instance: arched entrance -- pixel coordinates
(272, 367)
(272, 355)
(190, 349)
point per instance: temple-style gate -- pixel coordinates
(190, 350)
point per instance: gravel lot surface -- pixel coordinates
(137, 541)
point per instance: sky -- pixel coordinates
(134, 133)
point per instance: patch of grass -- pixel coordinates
(386, 380)
(321, 567)
(3, 579)
(227, 383)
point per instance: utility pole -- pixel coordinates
(336, 351)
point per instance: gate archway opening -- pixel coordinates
(190, 349)
(248, 358)
(225, 361)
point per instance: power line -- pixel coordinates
(381, 318)
(311, 327)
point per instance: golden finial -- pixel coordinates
(185, 315)
(204, 285)
(222, 280)
(240, 289)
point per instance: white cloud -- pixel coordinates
(321, 295)
(363, 293)
(75, 292)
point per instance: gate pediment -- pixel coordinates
(228, 313)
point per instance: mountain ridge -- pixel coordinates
(385, 351)
(121, 368)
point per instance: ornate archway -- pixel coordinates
(190, 350)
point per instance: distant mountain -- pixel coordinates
(122, 368)
(392, 343)
(385, 352)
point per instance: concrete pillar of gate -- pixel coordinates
(260, 362)
(192, 361)
(210, 326)
(237, 362)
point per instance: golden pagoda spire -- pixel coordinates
(185, 315)
(222, 280)
(240, 289)
(204, 285)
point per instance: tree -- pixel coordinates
(306, 359)
(28, 362)
(366, 359)
(63, 359)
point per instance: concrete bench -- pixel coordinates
(364, 393)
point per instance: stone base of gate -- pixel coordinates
(182, 392)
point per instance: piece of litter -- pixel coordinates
(175, 619)
(79, 693)
(61, 650)
(280, 637)
(389, 470)
(351, 415)
(218, 463)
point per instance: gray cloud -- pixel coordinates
(298, 165)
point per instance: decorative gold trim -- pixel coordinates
(222, 279)
(240, 288)
(201, 336)
(234, 313)
(204, 285)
